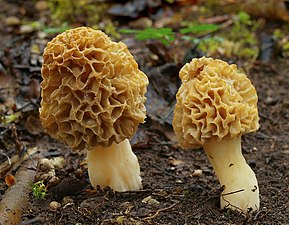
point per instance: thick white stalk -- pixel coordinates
(241, 191)
(115, 166)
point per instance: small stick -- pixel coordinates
(8, 158)
(15, 161)
(161, 210)
(232, 192)
(170, 174)
(34, 220)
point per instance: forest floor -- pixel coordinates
(179, 186)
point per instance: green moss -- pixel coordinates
(237, 41)
(73, 11)
(84, 12)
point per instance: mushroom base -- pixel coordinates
(241, 191)
(116, 167)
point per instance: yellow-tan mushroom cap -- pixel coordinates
(214, 102)
(92, 90)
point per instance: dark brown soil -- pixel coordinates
(178, 197)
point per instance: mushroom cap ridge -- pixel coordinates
(92, 90)
(214, 102)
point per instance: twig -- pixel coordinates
(235, 207)
(257, 214)
(8, 158)
(232, 192)
(162, 210)
(59, 220)
(7, 88)
(136, 192)
(15, 161)
(170, 174)
(34, 220)
(221, 26)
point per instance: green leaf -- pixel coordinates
(199, 28)
(165, 35)
(128, 31)
(55, 30)
(10, 118)
(39, 190)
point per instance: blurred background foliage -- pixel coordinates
(229, 29)
(232, 36)
(84, 12)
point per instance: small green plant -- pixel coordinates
(7, 119)
(165, 35)
(54, 30)
(239, 40)
(194, 28)
(39, 190)
(228, 212)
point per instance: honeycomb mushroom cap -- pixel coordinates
(92, 90)
(214, 102)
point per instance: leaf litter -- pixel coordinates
(181, 183)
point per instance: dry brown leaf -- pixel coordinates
(10, 180)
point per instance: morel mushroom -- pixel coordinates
(216, 105)
(93, 99)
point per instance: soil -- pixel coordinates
(173, 192)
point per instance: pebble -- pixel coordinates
(54, 205)
(12, 21)
(143, 212)
(271, 101)
(42, 35)
(26, 29)
(141, 23)
(45, 165)
(196, 188)
(179, 181)
(58, 162)
(153, 202)
(67, 200)
(197, 173)
(41, 5)
(150, 201)
(53, 181)
(145, 200)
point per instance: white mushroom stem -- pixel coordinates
(241, 191)
(115, 166)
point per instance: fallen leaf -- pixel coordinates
(10, 180)
(33, 124)
(273, 9)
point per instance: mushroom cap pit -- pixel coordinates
(92, 90)
(214, 102)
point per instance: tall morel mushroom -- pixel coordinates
(216, 105)
(93, 99)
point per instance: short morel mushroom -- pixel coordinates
(216, 105)
(93, 99)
